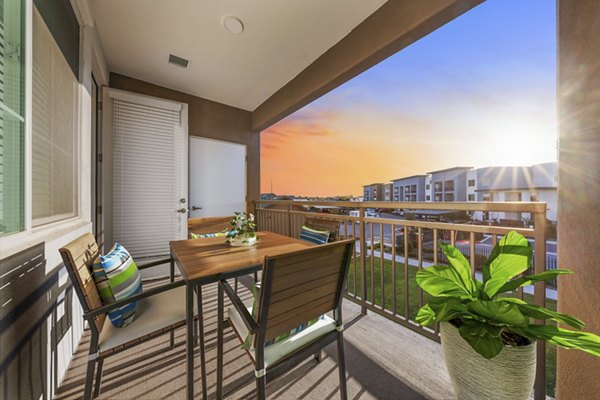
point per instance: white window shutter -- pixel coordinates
(147, 159)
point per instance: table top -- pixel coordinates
(212, 259)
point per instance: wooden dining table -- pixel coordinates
(209, 260)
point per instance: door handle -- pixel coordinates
(194, 208)
(182, 210)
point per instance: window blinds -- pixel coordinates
(146, 177)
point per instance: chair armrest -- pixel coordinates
(154, 263)
(248, 320)
(120, 303)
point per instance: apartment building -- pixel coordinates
(447, 184)
(530, 183)
(387, 192)
(410, 188)
(374, 192)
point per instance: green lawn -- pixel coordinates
(414, 294)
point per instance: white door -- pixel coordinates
(217, 178)
(149, 141)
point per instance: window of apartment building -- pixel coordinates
(427, 187)
(448, 186)
(471, 197)
(437, 186)
(487, 197)
(449, 197)
(54, 123)
(471, 182)
(428, 198)
(12, 117)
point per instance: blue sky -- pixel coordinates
(479, 91)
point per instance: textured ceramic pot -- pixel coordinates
(240, 241)
(508, 376)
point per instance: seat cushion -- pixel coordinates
(312, 235)
(276, 351)
(222, 233)
(117, 277)
(153, 313)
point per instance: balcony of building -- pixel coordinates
(57, 168)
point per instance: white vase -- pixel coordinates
(508, 376)
(242, 240)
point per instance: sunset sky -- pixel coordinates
(479, 91)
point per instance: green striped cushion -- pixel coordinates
(209, 235)
(314, 235)
(117, 277)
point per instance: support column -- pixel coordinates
(579, 186)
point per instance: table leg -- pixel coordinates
(201, 337)
(189, 310)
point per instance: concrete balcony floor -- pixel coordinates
(383, 361)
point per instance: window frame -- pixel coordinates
(14, 242)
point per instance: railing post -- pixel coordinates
(289, 220)
(363, 261)
(540, 300)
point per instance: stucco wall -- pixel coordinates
(579, 186)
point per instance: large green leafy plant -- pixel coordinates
(486, 318)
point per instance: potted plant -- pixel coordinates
(488, 337)
(242, 231)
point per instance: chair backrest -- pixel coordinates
(208, 225)
(301, 286)
(323, 224)
(78, 256)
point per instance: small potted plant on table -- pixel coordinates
(488, 337)
(242, 231)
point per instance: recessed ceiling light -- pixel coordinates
(233, 24)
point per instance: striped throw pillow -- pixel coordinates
(117, 277)
(314, 235)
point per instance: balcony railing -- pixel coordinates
(389, 252)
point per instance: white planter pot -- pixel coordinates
(240, 241)
(508, 376)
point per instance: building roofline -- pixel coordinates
(373, 184)
(410, 177)
(449, 169)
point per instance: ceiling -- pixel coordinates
(280, 39)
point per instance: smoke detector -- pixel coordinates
(233, 25)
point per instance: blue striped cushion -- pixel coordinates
(314, 235)
(117, 277)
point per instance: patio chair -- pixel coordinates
(159, 310)
(324, 224)
(203, 226)
(296, 287)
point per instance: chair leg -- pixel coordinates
(200, 338)
(318, 356)
(98, 378)
(261, 387)
(236, 284)
(342, 366)
(172, 339)
(220, 305)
